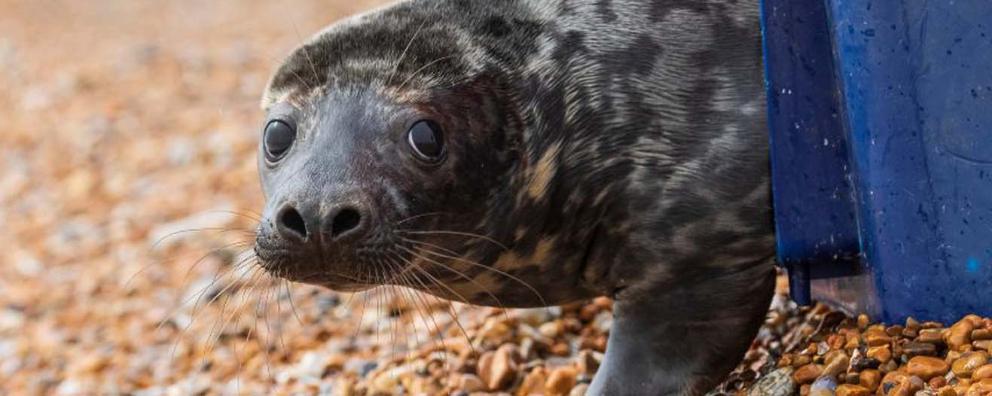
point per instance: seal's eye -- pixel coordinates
(426, 140)
(279, 137)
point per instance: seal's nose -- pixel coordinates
(342, 222)
(292, 225)
(345, 222)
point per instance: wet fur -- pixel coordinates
(624, 154)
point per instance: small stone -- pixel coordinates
(498, 369)
(551, 329)
(861, 362)
(579, 390)
(863, 321)
(870, 379)
(471, 383)
(852, 378)
(932, 336)
(807, 374)
(959, 334)
(937, 382)
(932, 325)
(495, 331)
(823, 386)
(852, 390)
(913, 349)
(561, 381)
(801, 360)
(533, 383)
(587, 363)
(947, 391)
(927, 367)
(876, 337)
(964, 366)
(982, 372)
(776, 383)
(560, 349)
(836, 341)
(837, 363)
(880, 353)
(980, 388)
(890, 381)
(981, 334)
(985, 345)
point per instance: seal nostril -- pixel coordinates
(346, 220)
(291, 220)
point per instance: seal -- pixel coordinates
(525, 153)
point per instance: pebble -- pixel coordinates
(912, 349)
(964, 366)
(498, 369)
(470, 383)
(927, 367)
(877, 337)
(579, 390)
(870, 379)
(882, 354)
(777, 383)
(959, 335)
(561, 381)
(982, 372)
(852, 390)
(551, 329)
(807, 374)
(823, 386)
(837, 362)
(980, 388)
(533, 383)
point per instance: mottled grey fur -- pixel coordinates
(595, 147)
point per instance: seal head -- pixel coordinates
(405, 163)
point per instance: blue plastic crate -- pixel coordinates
(881, 127)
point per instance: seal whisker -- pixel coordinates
(212, 337)
(460, 275)
(221, 230)
(456, 233)
(292, 305)
(415, 295)
(306, 54)
(196, 297)
(196, 310)
(399, 61)
(422, 68)
(477, 265)
(425, 311)
(411, 218)
(434, 280)
(144, 268)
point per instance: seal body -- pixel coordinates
(534, 152)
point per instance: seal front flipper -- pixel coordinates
(683, 339)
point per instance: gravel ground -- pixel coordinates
(128, 189)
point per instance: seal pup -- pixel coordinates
(523, 153)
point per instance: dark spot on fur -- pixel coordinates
(605, 9)
(495, 26)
